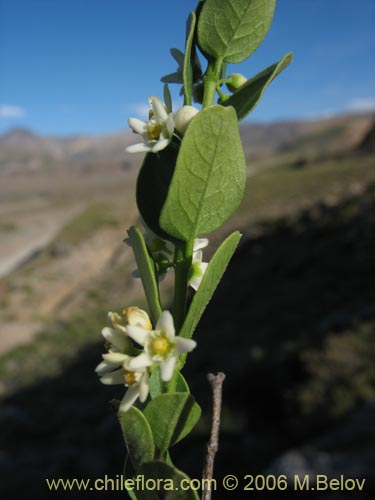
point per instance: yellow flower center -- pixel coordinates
(160, 345)
(153, 131)
(129, 377)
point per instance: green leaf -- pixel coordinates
(157, 386)
(153, 183)
(187, 68)
(167, 97)
(171, 417)
(147, 271)
(129, 473)
(170, 481)
(137, 436)
(249, 94)
(209, 178)
(209, 283)
(231, 30)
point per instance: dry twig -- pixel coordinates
(216, 382)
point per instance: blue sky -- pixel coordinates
(84, 66)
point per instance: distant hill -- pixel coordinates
(23, 149)
(339, 133)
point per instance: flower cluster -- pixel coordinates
(158, 131)
(126, 364)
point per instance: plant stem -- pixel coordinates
(210, 80)
(182, 264)
(216, 382)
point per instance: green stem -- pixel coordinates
(210, 80)
(182, 263)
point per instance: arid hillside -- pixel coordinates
(299, 325)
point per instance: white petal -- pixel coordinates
(129, 399)
(197, 256)
(138, 148)
(115, 338)
(165, 324)
(140, 362)
(137, 333)
(143, 388)
(138, 126)
(200, 243)
(103, 368)
(204, 266)
(170, 125)
(115, 358)
(195, 283)
(159, 109)
(138, 317)
(197, 280)
(113, 378)
(184, 345)
(160, 145)
(167, 368)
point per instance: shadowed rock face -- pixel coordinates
(284, 294)
(367, 145)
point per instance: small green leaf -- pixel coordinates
(147, 271)
(187, 68)
(171, 417)
(176, 384)
(129, 473)
(153, 183)
(249, 94)
(170, 481)
(209, 178)
(233, 29)
(137, 436)
(167, 97)
(175, 77)
(209, 283)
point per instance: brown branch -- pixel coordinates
(216, 382)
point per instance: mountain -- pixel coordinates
(23, 149)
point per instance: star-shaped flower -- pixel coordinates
(157, 132)
(161, 346)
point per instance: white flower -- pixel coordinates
(161, 346)
(183, 117)
(198, 268)
(157, 132)
(135, 380)
(114, 369)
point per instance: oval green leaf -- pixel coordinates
(209, 178)
(231, 30)
(249, 94)
(210, 281)
(171, 417)
(169, 479)
(153, 183)
(138, 436)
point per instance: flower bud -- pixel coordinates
(183, 117)
(235, 81)
(137, 317)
